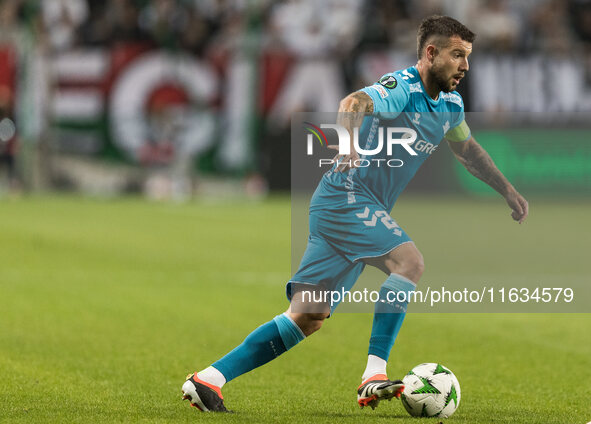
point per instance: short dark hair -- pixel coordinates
(441, 26)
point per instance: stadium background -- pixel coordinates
(162, 96)
(106, 106)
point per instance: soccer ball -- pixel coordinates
(430, 390)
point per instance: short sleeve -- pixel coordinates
(390, 95)
(459, 118)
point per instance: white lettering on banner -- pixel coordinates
(535, 86)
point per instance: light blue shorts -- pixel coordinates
(339, 240)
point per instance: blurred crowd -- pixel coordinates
(306, 54)
(304, 27)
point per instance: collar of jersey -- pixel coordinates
(415, 71)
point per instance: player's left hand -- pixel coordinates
(518, 204)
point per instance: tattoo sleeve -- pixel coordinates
(352, 109)
(478, 162)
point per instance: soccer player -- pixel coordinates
(350, 225)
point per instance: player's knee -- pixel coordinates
(309, 323)
(414, 266)
(314, 322)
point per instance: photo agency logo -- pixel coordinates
(378, 149)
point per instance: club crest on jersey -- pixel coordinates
(388, 81)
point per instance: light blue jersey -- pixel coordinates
(399, 100)
(349, 212)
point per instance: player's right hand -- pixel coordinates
(518, 205)
(345, 162)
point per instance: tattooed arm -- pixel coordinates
(478, 162)
(352, 109)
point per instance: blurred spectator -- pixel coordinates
(8, 140)
(384, 14)
(124, 15)
(278, 57)
(580, 11)
(9, 26)
(113, 21)
(400, 25)
(581, 18)
(11, 37)
(62, 18)
(496, 25)
(165, 21)
(198, 33)
(549, 29)
(421, 8)
(318, 34)
(216, 10)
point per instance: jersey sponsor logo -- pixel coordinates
(388, 81)
(381, 90)
(446, 127)
(424, 146)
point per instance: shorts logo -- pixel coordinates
(388, 81)
(385, 219)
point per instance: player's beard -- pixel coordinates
(438, 76)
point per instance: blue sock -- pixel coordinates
(261, 346)
(389, 314)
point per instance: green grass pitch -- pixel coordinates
(105, 306)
